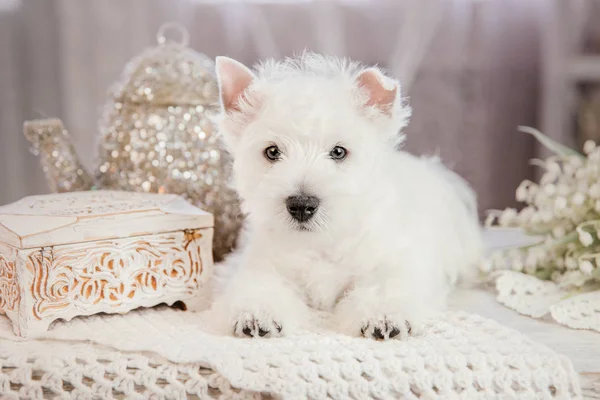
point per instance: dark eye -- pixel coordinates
(338, 153)
(272, 153)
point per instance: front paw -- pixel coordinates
(256, 325)
(386, 328)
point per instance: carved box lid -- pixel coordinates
(76, 217)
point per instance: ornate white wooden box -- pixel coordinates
(70, 254)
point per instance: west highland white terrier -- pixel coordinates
(338, 218)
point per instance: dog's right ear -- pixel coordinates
(233, 78)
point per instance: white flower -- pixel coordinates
(547, 178)
(560, 203)
(570, 278)
(578, 198)
(490, 219)
(575, 161)
(562, 200)
(594, 191)
(549, 189)
(563, 189)
(531, 261)
(525, 214)
(569, 169)
(571, 263)
(581, 173)
(521, 194)
(586, 238)
(533, 189)
(553, 167)
(586, 267)
(508, 217)
(594, 156)
(486, 266)
(546, 215)
(583, 186)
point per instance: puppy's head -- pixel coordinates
(306, 135)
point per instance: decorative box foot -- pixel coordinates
(199, 303)
(31, 328)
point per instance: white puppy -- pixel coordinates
(338, 218)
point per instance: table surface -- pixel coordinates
(581, 346)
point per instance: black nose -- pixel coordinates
(302, 207)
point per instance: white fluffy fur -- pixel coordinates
(392, 235)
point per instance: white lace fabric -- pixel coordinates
(165, 353)
(42, 370)
(533, 297)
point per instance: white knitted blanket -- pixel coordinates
(458, 356)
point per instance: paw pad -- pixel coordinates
(251, 326)
(385, 329)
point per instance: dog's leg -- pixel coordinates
(385, 307)
(260, 303)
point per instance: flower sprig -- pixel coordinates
(562, 211)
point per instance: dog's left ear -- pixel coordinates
(234, 78)
(381, 90)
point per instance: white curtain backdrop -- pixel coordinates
(469, 67)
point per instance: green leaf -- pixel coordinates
(550, 144)
(543, 274)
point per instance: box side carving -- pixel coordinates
(9, 288)
(116, 275)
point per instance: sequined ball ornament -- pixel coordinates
(158, 134)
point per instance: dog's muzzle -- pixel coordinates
(302, 207)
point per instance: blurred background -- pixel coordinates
(473, 69)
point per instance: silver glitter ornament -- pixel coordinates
(158, 134)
